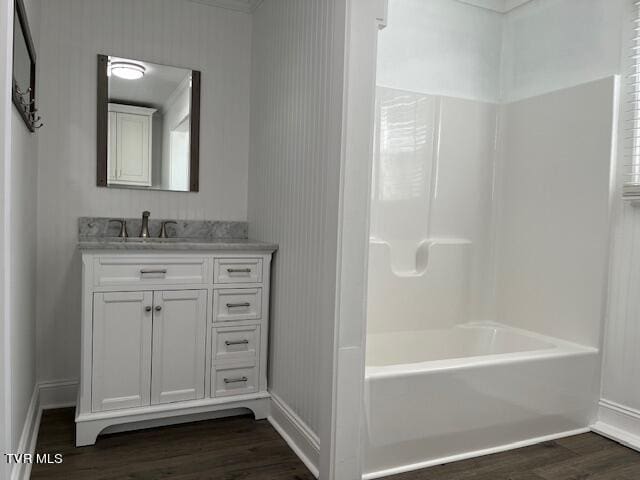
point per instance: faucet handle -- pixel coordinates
(163, 229)
(123, 226)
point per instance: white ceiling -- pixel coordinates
(152, 90)
(246, 6)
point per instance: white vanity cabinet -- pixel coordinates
(167, 334)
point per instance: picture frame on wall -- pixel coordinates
(24, 69)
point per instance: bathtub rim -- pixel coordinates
(559, 348)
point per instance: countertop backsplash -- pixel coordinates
(93, 228)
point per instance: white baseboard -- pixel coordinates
(58, 394)
(28, 437)
(302, 440)
(619, 423)
(45, 395)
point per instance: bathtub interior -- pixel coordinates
(464, 341)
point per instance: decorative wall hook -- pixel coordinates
(26, 104)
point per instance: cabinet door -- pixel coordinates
(121, 350)
(133, 149)
(179, 340)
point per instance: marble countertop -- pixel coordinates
(182, 244)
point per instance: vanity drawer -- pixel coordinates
(118, 270)
(234, 380)
(240, 343)
(231, 304)
(237, 270)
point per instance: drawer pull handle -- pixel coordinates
(236, 342)
(238, 305)
(235, 380)
(146, 271)
(238, 270)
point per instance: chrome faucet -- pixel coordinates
(163, 228)
(144, 231)
(123, 227)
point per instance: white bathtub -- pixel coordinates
(437, 396)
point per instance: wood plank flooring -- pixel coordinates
(240, 448)
(234, 448)
(582, 457)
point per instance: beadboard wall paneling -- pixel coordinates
(621, 364)
(6, 20)
(214, 40)
(22, 261)
(293, 191)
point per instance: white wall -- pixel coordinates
(619, 413)
(441, 47)
(552, 236)
(293, 194)
(459, 49)
(186, 34)
(6, 22)
(621, 353)
(18, 155)
(22, 204)
(24, 171)
(554, 44)
(173, 113)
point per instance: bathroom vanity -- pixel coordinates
(172, 330)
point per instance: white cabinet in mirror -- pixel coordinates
(148, 125)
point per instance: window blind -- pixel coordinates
(632, 121)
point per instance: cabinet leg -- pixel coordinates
(260, 408)
(87, 433)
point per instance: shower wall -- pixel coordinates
(436, 120)
(490, 198)
(552, 232)
(431, 206)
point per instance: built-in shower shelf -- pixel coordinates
(448, 241)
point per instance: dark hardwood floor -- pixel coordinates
(582, 457)
(240, 448)
(235, 448)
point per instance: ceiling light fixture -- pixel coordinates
(127, 70)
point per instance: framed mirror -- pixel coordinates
(148, 125)
(24, 69)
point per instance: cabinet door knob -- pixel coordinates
(147, 309)
(158, 308)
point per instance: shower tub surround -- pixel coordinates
(443, 395)
(484, 312)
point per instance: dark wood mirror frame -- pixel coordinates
(103, 126)
(26, 112)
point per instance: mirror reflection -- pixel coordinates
(149, 125)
